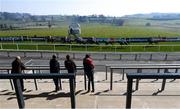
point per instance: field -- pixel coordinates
(131, 28)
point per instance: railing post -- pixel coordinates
(35, 81)
(1, 47)
(41, 54)
(36, 47)
(8, 53)
(86, 47)
(150, 57)
(159, 48)
(10, 81)
(104, 56)
(57, 54)
(135, 57)
(166, 57)
(74, 56)
(130, 48)
(144, 47)
(19, 94)
(17, 46)
(106, 71)
(129, 93)
(85, 80)
(172, 48)
(25, 54)
(54, 47)
(72, 93)
(100, 48)
(120, 56)
(70, 47)
(111, 79)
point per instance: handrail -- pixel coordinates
(131, 76)
(18, 89)
(148, 66)
(34, 68)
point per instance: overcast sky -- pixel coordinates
(89, 7)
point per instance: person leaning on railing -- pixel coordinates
(55, 68)
(17, 67)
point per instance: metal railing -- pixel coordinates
(131, 76)
(139, 68)
(18, 89)
(37, 69)
(89, 47)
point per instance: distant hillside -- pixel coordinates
(9, 21)
(156, 16)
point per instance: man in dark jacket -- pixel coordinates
(89, 71)
(55, 68)
(70, 66)
(17, 67)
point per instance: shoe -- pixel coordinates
(23, 90)
(92, 91)
(57, 89)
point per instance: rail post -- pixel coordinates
(54, 47)
(19, 94)
(17, 47)
(129, 93)
(72, 92)
(1, 47)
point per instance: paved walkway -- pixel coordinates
(45, 97)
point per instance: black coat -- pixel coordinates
(54, 66)
(70, 66)
(17, 66)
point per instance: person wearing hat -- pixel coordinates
(55, 68)
(17, 67)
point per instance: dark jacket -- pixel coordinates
(17, 66)
(54, 66)
(70, 66)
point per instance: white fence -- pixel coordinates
(90, 47)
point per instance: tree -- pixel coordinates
(118, 22)
(49, 24)
(148, 24)
(1, 26)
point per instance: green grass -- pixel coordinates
(99, 30)
(131, 28)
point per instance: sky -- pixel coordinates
(89, 7)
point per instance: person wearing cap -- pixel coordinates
(55, 68)
(89, 71)
(17, 67)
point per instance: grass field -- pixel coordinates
(131, 28)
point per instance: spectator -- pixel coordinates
(17, 67)
(89, 71)
(55, 68)
(70, 66)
